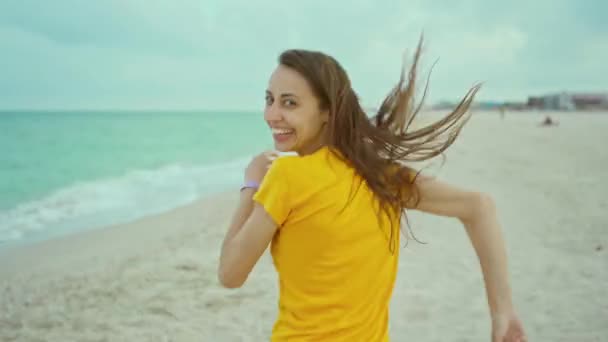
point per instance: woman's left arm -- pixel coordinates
(477, 212)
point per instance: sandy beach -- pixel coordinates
(155, 279)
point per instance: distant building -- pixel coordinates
(569, 101)
(561, 101)
(565, 101)
(535, 102)
(590, 101)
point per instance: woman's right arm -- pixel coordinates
(477, 212)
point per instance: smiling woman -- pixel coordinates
(332, 213)
(293, 113)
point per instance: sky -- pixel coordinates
(218, 55)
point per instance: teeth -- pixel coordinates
(281, 131)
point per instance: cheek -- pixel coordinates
(314, 125)
(293, 120)
(305, 124)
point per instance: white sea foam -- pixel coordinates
(108, 201)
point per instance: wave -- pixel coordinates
(104, 202)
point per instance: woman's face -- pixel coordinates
(293, 114)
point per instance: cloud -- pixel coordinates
(195, 54)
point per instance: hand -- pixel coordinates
(259, 165)
(506, 327)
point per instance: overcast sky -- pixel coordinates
(187, 54)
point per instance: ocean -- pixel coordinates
(61, 172)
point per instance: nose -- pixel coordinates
(272, 113)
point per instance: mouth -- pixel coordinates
(282, 134)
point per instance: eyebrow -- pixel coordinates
(282, 95)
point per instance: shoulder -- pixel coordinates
(295, 165)
(301, 174)
(280, 171)
(284, 164)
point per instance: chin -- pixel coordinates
(283, 148)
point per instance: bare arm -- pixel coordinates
(248, 236)
(477, 212)
(250, 230)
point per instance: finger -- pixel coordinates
(272, 154)
(268, 155)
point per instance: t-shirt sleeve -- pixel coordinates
(273, 192)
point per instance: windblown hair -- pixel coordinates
(379, 147)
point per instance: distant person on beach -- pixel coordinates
(332, 213)
(548, 121)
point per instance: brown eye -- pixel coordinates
(289, 103)
(268, 100)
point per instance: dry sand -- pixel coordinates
(155, 279)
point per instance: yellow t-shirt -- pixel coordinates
(336, 270)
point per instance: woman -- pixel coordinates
(332, 213)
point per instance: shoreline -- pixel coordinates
(101, 242)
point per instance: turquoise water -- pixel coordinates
(63, 171)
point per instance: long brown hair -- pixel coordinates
(378, 147)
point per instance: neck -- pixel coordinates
(310, 149)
